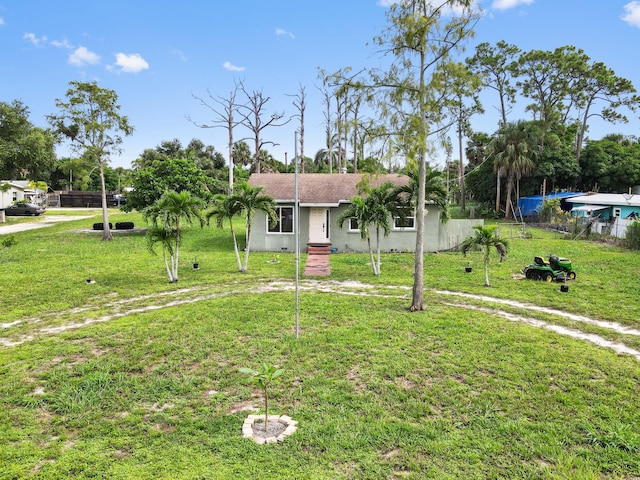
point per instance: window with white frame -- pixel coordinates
(353, 225)
(617, 212)
(406, 223)
(285, 221)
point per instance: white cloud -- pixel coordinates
(81, 56)
(507, 4)
(37, 41)
(132, 63)
(281, 32)
(632, 15)
(1, 21)
(61, 43)
(231, 67)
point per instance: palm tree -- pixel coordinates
(485, 238)
(514, 148)
(359, 209)
(376, 209)
(250, 200)
(327, 156)
(435, 190)
(166, 215)
(225, 207)
(241, 153)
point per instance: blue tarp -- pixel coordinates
(531, 206)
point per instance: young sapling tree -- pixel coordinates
(263, 378)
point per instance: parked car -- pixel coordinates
(24, 209)
(119, 200)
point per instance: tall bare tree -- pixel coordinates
(300, 102)
(326, 99)
(254, 117)
(224, 118)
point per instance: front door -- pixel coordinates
(318, 225)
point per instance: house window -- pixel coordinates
(408, 223)
(285, 221)
(14, 196)
(353, 225)
(617, 212)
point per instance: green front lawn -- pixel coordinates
(132, 377)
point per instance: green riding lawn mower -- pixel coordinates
(556, 268)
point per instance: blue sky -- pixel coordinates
(156, 55)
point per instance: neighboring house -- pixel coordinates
(532, 206)
(14, 193)
(608, 213)
(323, 197)
(20, 190)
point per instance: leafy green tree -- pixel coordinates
(250, 200)
(611, 164)
(419, 39)
(226, 207)
(600, 85)
(485, 239)
(166, 216)
(26, 152)
(90, 120)
(462, 102)
(494, 64)
(151, 182)
(568, 88)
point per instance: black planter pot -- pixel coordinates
(468, 269)
(196, 266)
(564, 288)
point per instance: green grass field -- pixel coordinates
(133, 377)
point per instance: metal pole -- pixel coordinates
(296, 221)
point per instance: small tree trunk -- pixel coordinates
(235, 246)
(166, 264)
(378, 250)
(373, 260)
(498, 193)
(417, 302)
(246, 247)
(486, 271)
(266, 410)
(106, 231)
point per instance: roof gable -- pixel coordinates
(319, 188)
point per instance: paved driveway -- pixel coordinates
(45, 220)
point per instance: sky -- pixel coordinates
(157, 56)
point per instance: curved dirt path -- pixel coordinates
(58, 322)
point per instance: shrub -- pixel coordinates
(632, 235)
(98, 226)
(124, 225)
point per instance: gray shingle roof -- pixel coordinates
(318, 188)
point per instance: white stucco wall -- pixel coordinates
(437, 236)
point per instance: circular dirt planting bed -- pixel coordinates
(278, 428)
